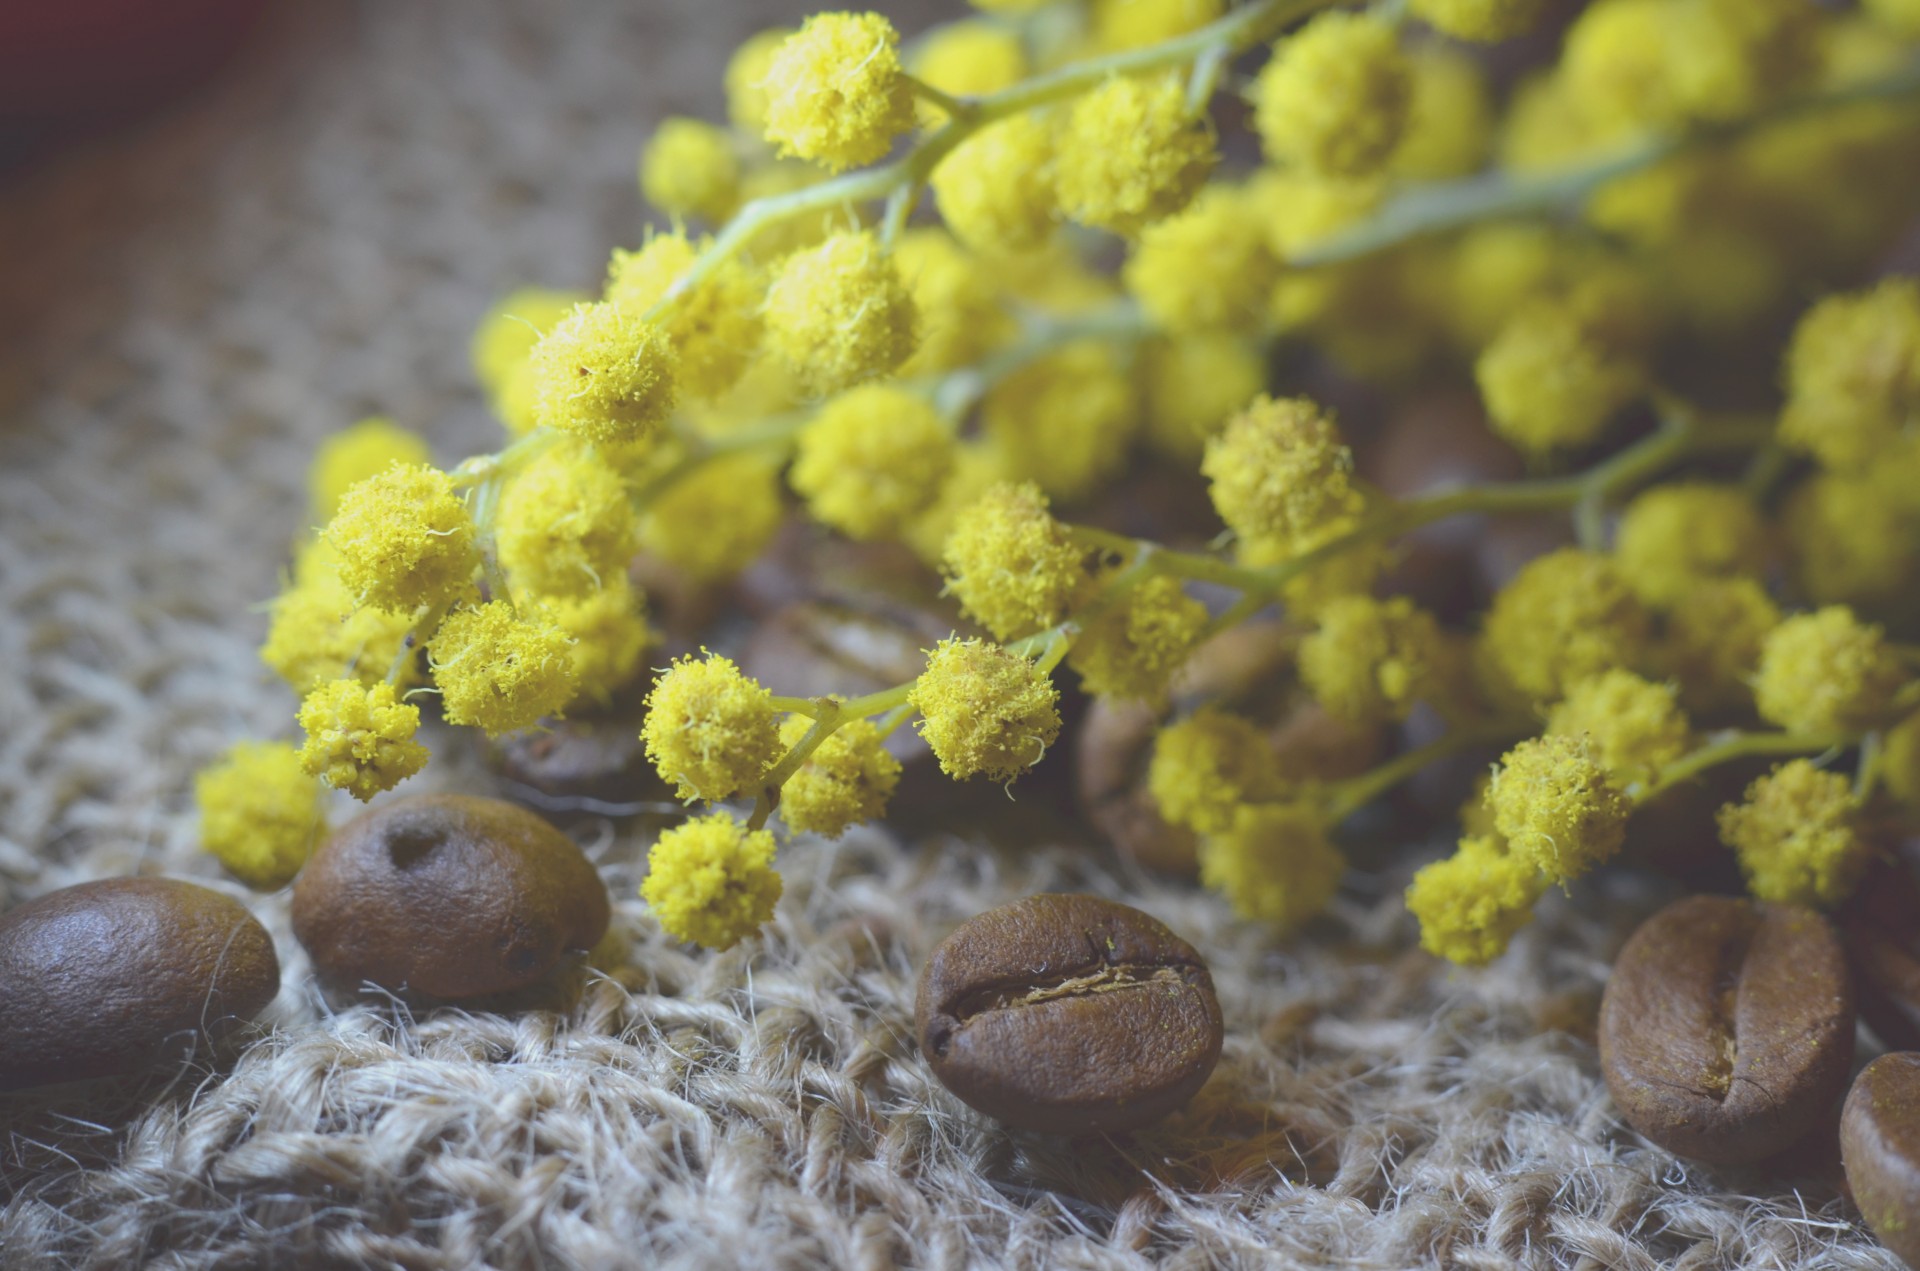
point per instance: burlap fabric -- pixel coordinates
(184, 314)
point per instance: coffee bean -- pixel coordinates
(597, 757)
(1726, 1029)
(1881, 929)
(1068, 1014)
(107, 977)
(449, 896)
(1880, 1144)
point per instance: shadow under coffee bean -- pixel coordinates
(1068, 1014)
(1726, 1030)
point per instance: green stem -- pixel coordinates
(1344, 798)
(1730, 746)
(955, 107)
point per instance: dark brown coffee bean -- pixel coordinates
(593, 756)
(448, 896)
(1880, 1144)
(1068, 1014)
(1726, 1029)
(1881, 929)
(107, 977)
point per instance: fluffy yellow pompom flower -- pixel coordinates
(360, 737)
(839, 314)
(1450, 122)
(1794, 834)
(1012, 566)
(715, 327)
(1558, 807)
(1334, 97)
(985, 710)
(1714, 634)
(835, 91)
(710, 730)
(565, 525)
(609, 631)
(962, 317)
(1855, 537)
(1565, 616)
(711, 882)
(1280, 470)
(713, 522)
(1065, 420)
(1635, 726)
(1273, 863)
(1371, 659)
(605, 374)
(1133, 648)
(977, 466)
(968, 59)
(1131, 153)
(1853, 375)
(1207, 267)
(1193, 384)
(404, 539)
(499, 670)
(1472, 904)
(1676, 534)
(1826, 672)
(689, 169)
(504, 339)
(848, 779)
(1616, 70)
(352, 455)
(746, 79)
(1555, 375)
(996, 191)
(1134, 24)
(1900, 762)
(871, 459)
(261, 813)
(1484, 21)
(1207, 765)
(317, 633)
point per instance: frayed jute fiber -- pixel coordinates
(184, 313)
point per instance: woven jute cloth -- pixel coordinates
(184, 313)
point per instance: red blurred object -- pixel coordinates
(66, 61)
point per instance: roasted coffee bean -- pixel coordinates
(448, 896)
(1068, 1014)
(1881, 929)
(107, 977)
(1726, 1030)
(1880, 1144)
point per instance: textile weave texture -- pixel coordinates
(184, 313)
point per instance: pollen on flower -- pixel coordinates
(261, 812)
(1565, 616)
(1273, 862)
(1557, 806)
(1334, 97)
(352, 455)
(847, 780)
(839, 314)
(606, 374)
(746, 79)
(1795, 837)
(609, 631)
(316, 632)
(403, 539)
(711, 881)
(1131, 153)
(1635, 726)
(996, 190)
(1371, 659)
(1012, 565)
(498, 669)
(1827, 672)
(1853, 375)
(1133, 648)
(360, 737)
(1206, 268)
(565, 524)
(1205, 766)
(1471, 904)
(714, 327)
(871, 459)
(835, 91)
(502, 343)
(689, 169)
(711, 731)
(985, 710)
(1280, 470)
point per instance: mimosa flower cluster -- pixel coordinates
(943, 291)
